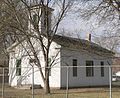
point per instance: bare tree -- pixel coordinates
(106, 9)
(30, 20)
(100, 11)
(103, 12)
(109, 40)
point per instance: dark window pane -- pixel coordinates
(49, 63)
(35, 18)
(89, 70)
(102, 69)
(74, 67)
(18, 67)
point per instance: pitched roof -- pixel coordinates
(82, 44)
(75, 43)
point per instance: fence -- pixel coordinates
(75, 82)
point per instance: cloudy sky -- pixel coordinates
(74, 24)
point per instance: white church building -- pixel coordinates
(78, 54)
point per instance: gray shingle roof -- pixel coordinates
(81, 43)
(75, 43)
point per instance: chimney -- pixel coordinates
(88, 37)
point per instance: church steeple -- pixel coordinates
(41, 17)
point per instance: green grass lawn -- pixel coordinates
(73, 93)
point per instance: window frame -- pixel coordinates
(49, 62)
(18, 67)
(89, 70)
(102, 69)
(74, 67)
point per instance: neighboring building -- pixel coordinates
(66, 51)
(70, 51)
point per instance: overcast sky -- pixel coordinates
(75, 24)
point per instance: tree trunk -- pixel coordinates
(46, 82)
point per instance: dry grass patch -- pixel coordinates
(56, 93)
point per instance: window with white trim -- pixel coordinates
(74, 67)
(89, 69)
